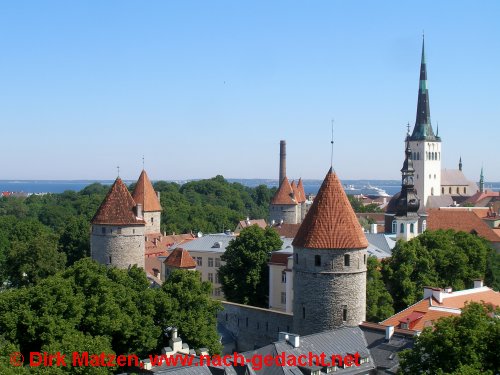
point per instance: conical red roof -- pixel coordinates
(331, 222)
(302, 193)
(180, 258)
(284, 194)
(118, 208)
(145, 194)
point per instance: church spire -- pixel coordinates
(481, 181)
(423, 128)
(460, 164)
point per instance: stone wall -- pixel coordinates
(290, 214)
(118, 246)
(152, 226)
(322, 292)
(253, 327)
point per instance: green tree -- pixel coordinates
(245, 276)
(462, 344)
(33, 254)
(378, 299)
(75, 239)
(438, 258)
(187, 304)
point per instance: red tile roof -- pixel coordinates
(145, 194)
(261, 223)
(118, 208)
(287, 230)
(279, 258)
(158, 244)
(460, 220)
(302, 193)
(284, 194)
(480, 195)
(180, 258)
(426, 311)
(331, 222)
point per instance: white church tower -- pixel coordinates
(426, 146)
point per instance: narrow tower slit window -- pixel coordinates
(317, 260)
(347, 260)
(344, 313)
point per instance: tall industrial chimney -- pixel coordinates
(282, 161)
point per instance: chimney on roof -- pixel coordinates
(138, 211)
(291, 338)
(436, 293)
(478, 283)
(389, 331)
(373, 228)
(282, 162)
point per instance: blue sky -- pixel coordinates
(210, 87)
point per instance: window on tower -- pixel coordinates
(412, 228)
(317, 260)
(402, 228)
(394, 226)
(347, 260)
(344, 313)
(296, 258)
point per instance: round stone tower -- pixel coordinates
(284, 207)
(145, 194)
(118, 229)
(329, 264)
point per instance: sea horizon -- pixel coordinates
(311, 186)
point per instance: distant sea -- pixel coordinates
(391, 187)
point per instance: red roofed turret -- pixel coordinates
(331, 222)
(118, 208)
(145, 194)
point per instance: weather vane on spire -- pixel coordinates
(331, 142)
(118, 169)
(408, 128)
(142, 162)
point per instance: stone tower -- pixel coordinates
(145, 195)
(407, 204)
(118, 229)
(425, 145)
(284, 207)
(329, 263)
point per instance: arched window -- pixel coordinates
(432, 191)
(347, 260)
(402, 228)
(442, 190)
(458, 192)
(449, 190)
(412, 228)
(394, 226)
(418, 155)
(465, 190)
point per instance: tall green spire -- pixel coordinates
(423, 128)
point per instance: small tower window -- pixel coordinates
(442, 190)
(119, 230)
(394, 226)
(296, 258)
(412, 228)
(402, 228)
(465, 190)
(109, 259)
(347, 260)
(152, 220)
(344, 313)
(364, 258)
(103, 230)
(317, 260)
(303, 312)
